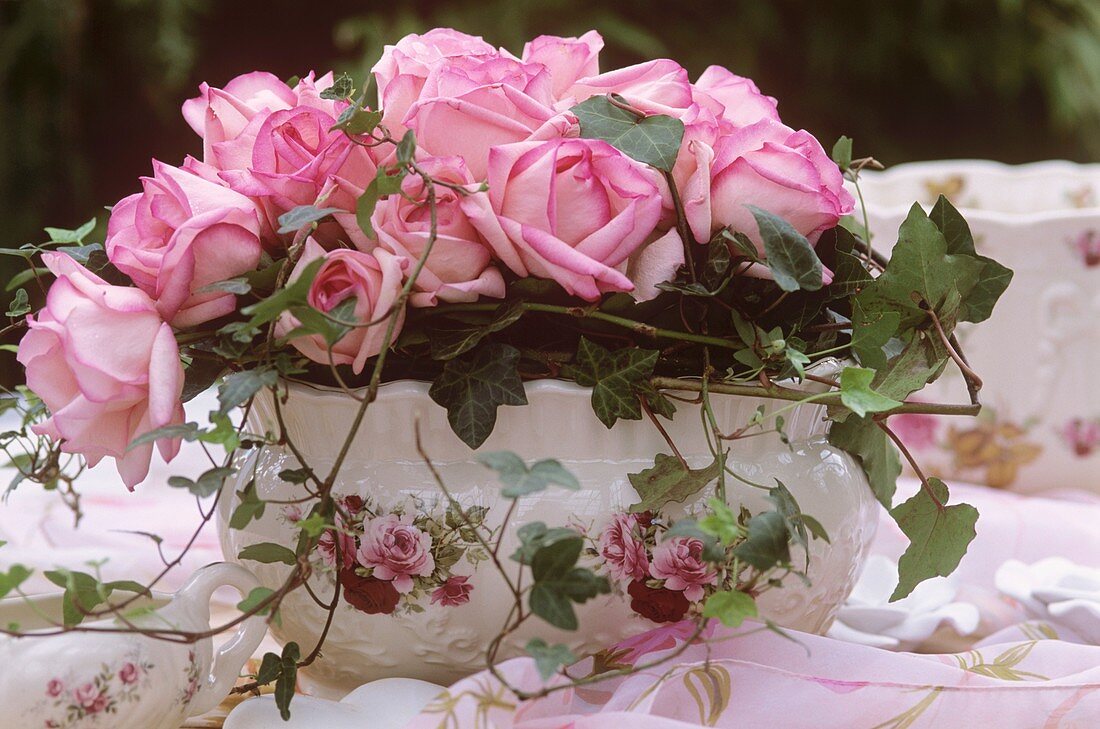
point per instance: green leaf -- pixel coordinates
(61, 235)
(188, 431)
(767, 544)
(256, 596)
(471, 388)
(84, 593)
(406, 148)
(993, 278)
(293, 294)
(556, 558)
(669, 480)
(239, 387)
(939, 536)
(451, 338)
(535, 535)
(653, 140)
(520, 480)
(296, 218)
(731, 607)
(238, 286)
(850, 274)
(287, 681)
(614, 378)
(356, 120)
(26, 276)
(268, 553)
(842, 153)
(713, 550)
(342, 88)
(558, 582)
(208, 483)
(269, 668)
(721, 522)
(799, 526)
(20, 304)
(857, 395)
(199, 375)
(13, 578)
(549, 658)
(867, 442)
(294, 475)
(789, 256)
(251, 507)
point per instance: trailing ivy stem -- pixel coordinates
(661, 429)
(912, 462)
(687, 238)
(971, 376)
(798, 396)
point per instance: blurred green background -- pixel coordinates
(90, 89)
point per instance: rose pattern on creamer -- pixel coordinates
(71, 699)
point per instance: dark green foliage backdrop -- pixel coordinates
(90, 89)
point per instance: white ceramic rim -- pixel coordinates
(50, 604)
(1051, 168)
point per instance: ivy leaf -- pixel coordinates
(188, 431)
(842, 153)
(939, 536)
(406, 148)
(84, 593)
(993, 278)
(549, 658)
(669, 480)
(356, 120)
(256, 596)
(287, 680)
(294, 475)
(293, 294)
(13, 578)
(534, 536)
(857, 395)
(730, 607)
(340, 90)
(862, 438)
(251, 507)
(800, 526)
(520, 480)
(614, 378)
(200, 374)
(721, 522)
(207, 484)
(238, 286)
(767, 544)
(20, 304)
(298, 217)
(61, 235)
(558, 582)
(653, 140)
(789, 256)
(452, 338)
(239, 387)
(471, 388)
(268, 553)
(712, 547)
(850, 275)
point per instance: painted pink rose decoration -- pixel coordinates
(623, 550)
(396, 551)
(373, 279)
(679, 562)
(571, 210)
(454, 592)
(460, 265)
(107, 367)
(180, 234)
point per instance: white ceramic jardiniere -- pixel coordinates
(442, 636)
(1037, 354)
(118, 680)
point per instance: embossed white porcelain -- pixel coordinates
(441, 643)
(95, 678)
(1038, 352)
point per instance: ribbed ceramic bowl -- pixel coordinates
(1037, 354)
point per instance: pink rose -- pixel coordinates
(107, 367)
(739, 100)
(458, 268)
(468, 105)
(90, 698)
(455, 591)
(296, 158)
(54, 688)
(129, 673)
(779, 170)
(181, 234)
(567, 59)
(623, 550)
(396, 550)
(337, 548)
(401, 71)
(679, 562)
(374, 279)
(917, 430)
(571, 210)
(656, 87)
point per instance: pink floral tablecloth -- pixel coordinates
(1017, 673)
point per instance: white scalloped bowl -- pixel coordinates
(441, 644)
(1038, 352)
